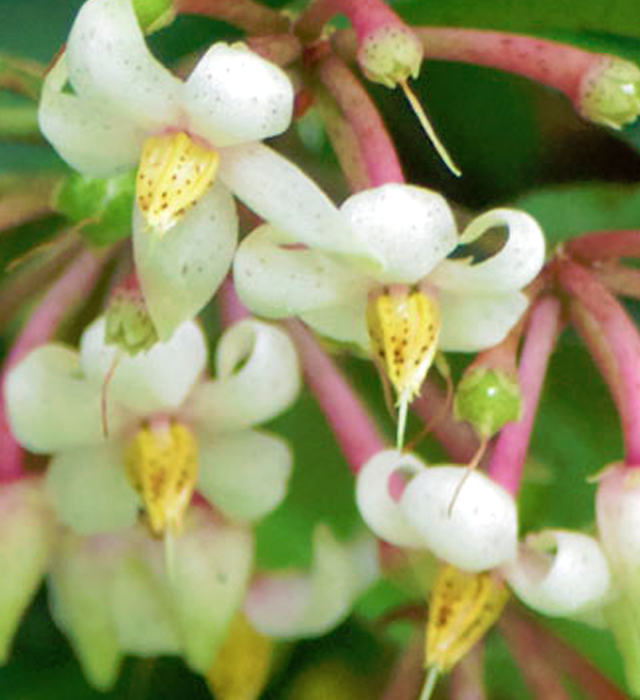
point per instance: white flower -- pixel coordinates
(169, 429)
(471, 524)
(195, 141)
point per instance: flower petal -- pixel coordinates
(234, 96)
(475, 532)
(244, 474)
(89, 490)
(258, 377)
(50, 405)
(109, 62)
(346, 323)
(180, 271)
(560, 573)
(277, 282)
(88, 135)
(211, 570)
(292, 604)
(513, 267)
(473, 321)
(410, 228)
(378, 508)
(291, 202)
(159, 378)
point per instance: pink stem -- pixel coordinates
(231, 308)
(247, 15)
(602, 245)
(407, 675)
(467, 681)
(71, 287)
(376, 146)
(507, 458)
(614, 342)
(620, 280)
(353, 427)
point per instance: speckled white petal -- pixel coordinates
(211, 569)
(89, 490)
(88, 135)
(515, 265)
(258, 377)
(181, 270)
(159, 378)
(277, 282)
(50, 404)
(292, 604)
(479, 532)
(560, 573)
(234, 96)
(473, 321)
(279, 192)
(244, 474)
(378, 509)
(346, 323)
(410, 228)
(109, 61)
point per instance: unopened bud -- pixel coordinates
(610, 93)
(128, 324)
(390, 55)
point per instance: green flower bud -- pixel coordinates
(128, 324)
(610, 93)
(101, 208)
(154, 14)
(390, 55)
(487, 399)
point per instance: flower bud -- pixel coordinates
(390, 55)
(128, 324)
(487, 399)
(101, 208)
(610, 93)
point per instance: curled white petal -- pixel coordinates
(234, 96)
(277, 282)
(109, 62)
(244, 474)
(346, 323)
(88, 135)
(410, 228)
(258, 377)
(380, 511)
(473, 321)
(180, 271)
(513, 267)
(477, 531)
(560, 573)
(159, 378)
(292, 604)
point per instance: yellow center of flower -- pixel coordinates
(162, 466)
(174, 173)
(404, 326)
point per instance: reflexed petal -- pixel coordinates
(50, 404)
(379, 510)
(278, 282)
(180, 271)
(513, 267)
(109, 61)
(80, 603)
(88, 135)
(476, 532)
(244, 474)
(294, 605)
(89, 490)
(157, 379)
(234, 96)
(474, 321)
(27, 530)
(211, 570)
(346, 323)
(410, 228)
(560, 573)
(287, 199)
(258, 377)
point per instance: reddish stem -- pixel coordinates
(71, 287)
(620, 280)
(376, 146)
(467, 681)
(603, 245)
(247, 15)
(231, 308)
(353, 427)
(507, 458)
(614, 343)
(407, 675)
(281, 49)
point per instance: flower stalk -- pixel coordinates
(605, 245)
(247, 15)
